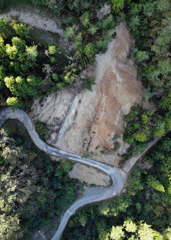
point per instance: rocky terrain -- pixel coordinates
(87, 122)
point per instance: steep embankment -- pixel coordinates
(91, 119)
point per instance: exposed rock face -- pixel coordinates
(88, 121)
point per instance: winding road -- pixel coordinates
(93, 194)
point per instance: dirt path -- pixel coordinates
(36, 20)
(41, 20)
(132, 160)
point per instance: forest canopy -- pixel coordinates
(33, 189)
(27, 68)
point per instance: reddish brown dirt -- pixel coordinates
(117, 92)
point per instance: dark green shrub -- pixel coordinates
(89, 83)
(2, 5)
(116, 146)
(139, 148)
(42, 130)
(90, 51)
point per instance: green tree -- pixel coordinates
(141, 56)
(69, 32)
(159, 131)
(149, 8)
(117, 6)
(92, 29)
(148, 94)
(120, 204)
(106, 23)
(12, 51)
(145, 231)
(164, 66)
(139, 148)
(2, 72)
(21, 29)
(166, 104)
(9, 227)
(3, 26)
(117, 233)
(130, 226)
(2, 84)
(2, 3)
(141, 136)
(167, 234)
(15, 102)
(162, 5)
(138, 207)
(19, 43)
(78, 42)
(11, 84)
(31, 53)
(33, 81)
(154, 183)
(90, 51)
(55, 77)
(146, 118)
(134, 22)
(168, 123)
(85, 19)
(52, 50)
(134, 182)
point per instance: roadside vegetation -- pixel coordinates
(143, 212)
(149, 23)
(34, 189)
(30, 69)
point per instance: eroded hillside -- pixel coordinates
(88, 121)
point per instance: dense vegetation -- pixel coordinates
(149, 22)
(144, 212)
(33, 189)
(27, 69)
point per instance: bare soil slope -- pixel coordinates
(88, 121)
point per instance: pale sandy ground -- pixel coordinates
(90, 175)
